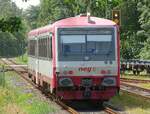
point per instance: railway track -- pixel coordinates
(133, 89)
(22, 71)
(136, 91)
(134, 80)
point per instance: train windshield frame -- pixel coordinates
(89, 44)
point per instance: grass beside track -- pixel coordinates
(15, 100)
(22, 59)
(131, 104)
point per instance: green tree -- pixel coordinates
(10, 24)
(12, 28)
(144, 33)
(7, 44)
(53, 10)
(131, 44)
(31, 15)
(9, 9)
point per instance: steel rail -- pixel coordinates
(134, 80)
(110, 111)
(135, 87)
(134, 93)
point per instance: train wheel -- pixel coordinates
(29, 75)
(34, 80)
(46, 88)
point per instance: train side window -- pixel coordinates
(45, 47)
(42, 48)
(29, 43)
(50, 46)
(32, 47)
(39, 46)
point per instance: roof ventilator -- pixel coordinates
(88, 15)
(89, 18)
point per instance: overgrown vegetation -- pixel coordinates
(131, 104)
(23, 59)
(13, 100)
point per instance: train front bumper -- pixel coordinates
(102, 95)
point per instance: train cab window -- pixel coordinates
(73, 44)
(98, 44)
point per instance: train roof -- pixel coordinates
(83, 21)
(73, 21)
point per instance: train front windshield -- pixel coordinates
(89, 44)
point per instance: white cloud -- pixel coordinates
(24, 5)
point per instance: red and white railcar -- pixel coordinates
(76, 58)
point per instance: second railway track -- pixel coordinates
(134, 80)
(136, 91)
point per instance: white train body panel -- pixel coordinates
(90, 68)
(32, 63)
(45, 67)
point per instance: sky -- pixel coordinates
(25, 5)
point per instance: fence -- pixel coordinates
(2, 76)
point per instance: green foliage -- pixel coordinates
(144, 20)
(10, 24)
(7, 44)
(53, 10)
(21, 42)
(13, 98)
(131, 104)
(145, 53)
(11, 45)
(23, 59)
(32, 15)
(130, 42)
(12, 29)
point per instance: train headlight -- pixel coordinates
(109, 81)
(65, 82)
